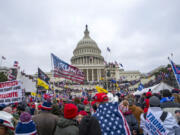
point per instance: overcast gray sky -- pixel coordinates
(140, 33)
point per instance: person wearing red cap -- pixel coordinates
(80, 115)
(89, 125)
(146, 102)
(68, 125)
(100, 98)
(85, 102)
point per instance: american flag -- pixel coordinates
(108, 49)
(176, 71)
(64, 70)
(16, 64)
(121, 64)
(11, 75)
(175, 68)
(4, 58)
(111, 120)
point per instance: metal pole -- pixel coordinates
(53, 73)
(1, 61)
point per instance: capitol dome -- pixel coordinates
(87, 56)
(88, 48)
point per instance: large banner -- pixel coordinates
(64, 70)
(10, 92)
(154, 125)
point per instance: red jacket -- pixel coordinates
(146, 105)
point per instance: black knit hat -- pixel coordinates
(154, 101)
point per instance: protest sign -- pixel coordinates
(10, 92)
(154, 125)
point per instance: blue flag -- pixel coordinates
(108, 49)
(141, 87)
(113, 81)
(176, 71)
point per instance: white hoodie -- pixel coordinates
(153, 124)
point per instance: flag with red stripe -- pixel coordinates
(64, 70)
(111, 119)
(12, 74)
(16, 63)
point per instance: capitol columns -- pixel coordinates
(92, 74)
(87, 75)
(98, 75)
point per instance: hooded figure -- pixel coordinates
(110, 117)
(45, 121)
(68, 125)
(155, 121)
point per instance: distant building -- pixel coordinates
(129, 75)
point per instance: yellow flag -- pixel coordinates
(33, 94)
(42, 83)
(101, 90)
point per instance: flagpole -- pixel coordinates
(172, 56)
(174, 73)
(1, 61)
(2, 58)
(52, 72)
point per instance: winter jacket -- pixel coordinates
(89, 126)
(45, 123)
(146, 105)
(131, 120)
(136, 111)
(154, 113)
(170, 106)
(67, 127)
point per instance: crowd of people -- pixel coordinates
(101, 114)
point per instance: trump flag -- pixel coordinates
(64, 70)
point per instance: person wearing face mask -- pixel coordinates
(177, 113)
(130, 118)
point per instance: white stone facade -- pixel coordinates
(87, 57)
(129, 75)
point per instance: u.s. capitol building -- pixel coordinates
(88, 58)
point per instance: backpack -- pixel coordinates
(162, 117)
